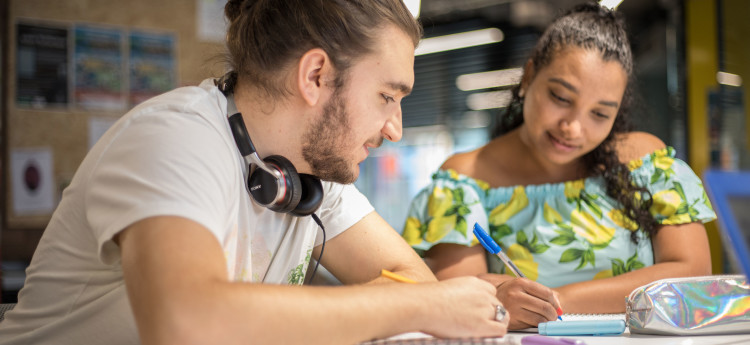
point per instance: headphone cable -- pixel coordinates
(322, 247)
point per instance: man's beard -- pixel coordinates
(324, 140)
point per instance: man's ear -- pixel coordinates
(315, 70)
(526, 78)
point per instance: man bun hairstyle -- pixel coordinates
(265, 36)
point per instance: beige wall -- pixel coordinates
(65, 130)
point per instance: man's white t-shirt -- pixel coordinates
(171, 155)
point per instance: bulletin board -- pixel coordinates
(47, 129)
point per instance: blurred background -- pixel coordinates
(71, 68)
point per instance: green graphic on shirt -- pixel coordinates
(445, 210)
(586, 256)
(567, 235)
(499, 231)
(535, 246)
(297, 275)
(459, 208)
(619, 267)
(662, 161)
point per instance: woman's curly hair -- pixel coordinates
(593, 27)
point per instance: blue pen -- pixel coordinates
(582, 327)
(492, 247)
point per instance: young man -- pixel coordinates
(159, 239)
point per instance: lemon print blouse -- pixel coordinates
(558, 233)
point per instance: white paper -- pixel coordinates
(32, 182)
(211, 23)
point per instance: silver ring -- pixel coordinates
(500, 313)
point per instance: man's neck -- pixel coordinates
(276, 128)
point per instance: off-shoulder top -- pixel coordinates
(558, 233)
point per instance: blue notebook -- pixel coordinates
(611, 320)
(582, 327)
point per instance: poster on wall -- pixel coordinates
(99, 70)
(32, 182)
(151, 67)
(211, 26)
(41, 65)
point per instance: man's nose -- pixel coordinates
(392, 130)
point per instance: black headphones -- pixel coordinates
(275, 183)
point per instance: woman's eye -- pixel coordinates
(388, 99)
(601, 115)
(558, 98)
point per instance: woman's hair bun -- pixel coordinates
(234, 8)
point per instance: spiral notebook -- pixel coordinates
(417, 338)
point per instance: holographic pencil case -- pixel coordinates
(690, 306)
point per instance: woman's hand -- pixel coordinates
(528, 302)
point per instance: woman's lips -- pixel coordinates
(560, 144)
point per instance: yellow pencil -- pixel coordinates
(393, 276)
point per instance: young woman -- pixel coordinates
(587, 209)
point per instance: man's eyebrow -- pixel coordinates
(572, 88)
(401, 87)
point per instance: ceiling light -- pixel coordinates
(486, 80)
(458, 41)
(413, 6)
(610, 4)
(488, 100)
(730, 79)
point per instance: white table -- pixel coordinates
(645, 339)
(514, 338)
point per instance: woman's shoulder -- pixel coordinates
(461, 162)
(635, 145)
(488, 163)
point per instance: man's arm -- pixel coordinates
(359, 253)
(176, 278)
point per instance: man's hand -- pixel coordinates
(465, 307)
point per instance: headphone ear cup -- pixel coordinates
(264, 187)
(312, 196)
